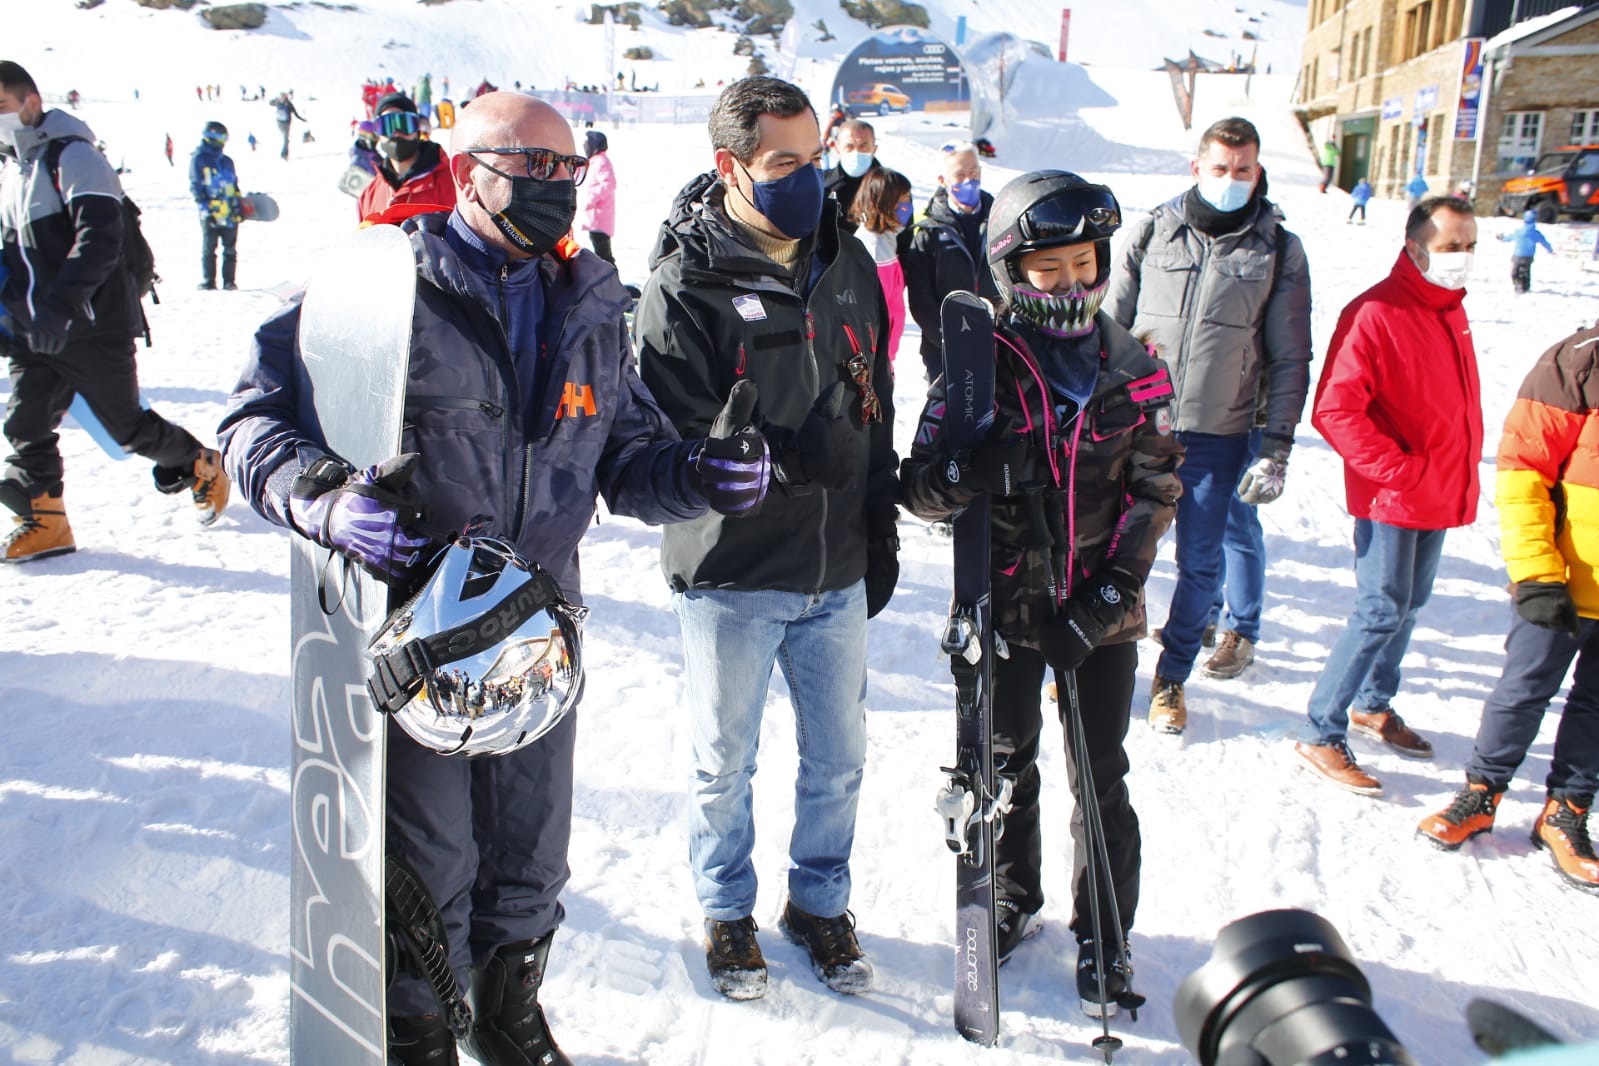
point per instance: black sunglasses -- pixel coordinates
(542, 163)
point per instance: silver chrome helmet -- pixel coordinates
(486, 658)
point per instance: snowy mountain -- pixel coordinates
(144, 839)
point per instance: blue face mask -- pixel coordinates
(903, 212)
(792, 203)
(967, 193)
(1224, 193)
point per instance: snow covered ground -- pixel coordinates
(143, 786)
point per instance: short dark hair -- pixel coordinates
(1234, 132)
(1421, 215)
(13, 79)
(858, 125)
(734, 116)
(876, 197)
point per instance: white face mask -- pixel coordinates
(1448, 270)
(1224, 193)
(855, 163)
(10, 125)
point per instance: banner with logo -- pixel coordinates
(1466, 112)
(901, 68)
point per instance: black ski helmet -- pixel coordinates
(1047, 209)
(214, 131)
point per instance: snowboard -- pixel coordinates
(260, 207)
(974, 799)
(355, 336)
(79, 410)
(353, 180)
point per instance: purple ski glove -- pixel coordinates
(732, 467)
(363, 516)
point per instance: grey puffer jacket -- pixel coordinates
(1231, 322)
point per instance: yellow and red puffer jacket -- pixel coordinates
(1547, 487)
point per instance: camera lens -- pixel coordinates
(1281, 989)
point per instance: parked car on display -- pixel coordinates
(881, 96)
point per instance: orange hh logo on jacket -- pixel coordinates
(576, 400)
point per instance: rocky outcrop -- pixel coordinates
(886, 12)
(235, 16)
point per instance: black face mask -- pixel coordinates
(400, 150)
(540, 213)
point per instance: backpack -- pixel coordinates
(137, 256)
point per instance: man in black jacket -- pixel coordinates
(72, 317)
(945, 251)
(856, 152)
(753, 281)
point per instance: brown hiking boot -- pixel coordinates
(836, 955)
(1168, 711)
(1469, 814)
(1386, 725)
(41, 532)
(1233, 656)
(1562, 827)
(733, 955)
(1334, 762)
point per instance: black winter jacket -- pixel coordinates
(1094, 495)
(715, 311)
(64, 250)
(937, 262)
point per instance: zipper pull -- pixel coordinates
(493, 410)
(810, 326)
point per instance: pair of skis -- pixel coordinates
(974, 800)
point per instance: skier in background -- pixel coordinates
(283, 103)
(170, 163)
(1527, 241)
(598, 215)
(214, 184)
(1359, 197)
(1082, 435)
(413, 170)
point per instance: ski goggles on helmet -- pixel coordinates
(1089, 214)
(540, 164)
(486, 658)
(218, 139)
(399, 123)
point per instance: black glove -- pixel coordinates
(1548, 604)
(48, 334)
(882, 572)
(993, 466)
(821, 451)
(1103, 601)
(731, 468)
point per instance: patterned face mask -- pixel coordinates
(1067, 314)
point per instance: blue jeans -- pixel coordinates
(1210, 472)
(1241, 588)
(1394, 570)
(730, 642)
(1536, 660)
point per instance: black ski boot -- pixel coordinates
(509, 1027)
(423, 1041)
(1012, 925)
(1118, 974)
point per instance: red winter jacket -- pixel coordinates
(427, 182)
(1399, 400)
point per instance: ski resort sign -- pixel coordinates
(901, 68)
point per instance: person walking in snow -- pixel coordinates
(502, 296)
(1415, 191)
(1329, 162)
(1084, 434)
(170, 163)
(1547, 492)
(214, 184)
(283, 104)
(1527, 240)
(1219, 286)
(1399, 400)
(74, 318)
(1359, 197)
(754, 281)
(598, 215)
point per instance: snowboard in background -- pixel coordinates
(259, 207)
(355, 337)
(974, 799)
(353, 180)
(79, 410)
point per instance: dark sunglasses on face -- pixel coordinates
(399, 122)
(541, 163)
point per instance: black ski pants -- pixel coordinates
(1536, 660)
(105, 374)
(228, 238)
(1105, 686)
(1521, 273)
(488, 837)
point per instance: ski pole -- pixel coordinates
(1098, 867)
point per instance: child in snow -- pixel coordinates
(1527, 240)
(1081, 471)
(1415, 190)
(1360, 196)
(883, 208)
